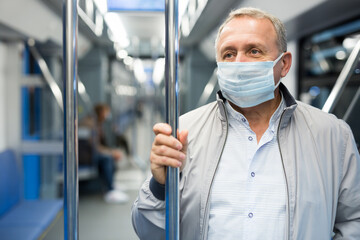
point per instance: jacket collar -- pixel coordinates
(290, 104)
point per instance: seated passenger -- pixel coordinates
(255, 164)
(105, 156)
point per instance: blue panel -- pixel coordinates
(26, 61)
(31, 165)
(37, 112)
(25, 120)
(136, 5)
(31, 113)
(9, 181)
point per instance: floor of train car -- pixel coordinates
(101, 220)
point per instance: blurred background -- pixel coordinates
(121, 65)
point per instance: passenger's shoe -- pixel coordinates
(116, 196)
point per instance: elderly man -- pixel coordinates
(255, 164)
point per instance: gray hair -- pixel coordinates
(257, 13)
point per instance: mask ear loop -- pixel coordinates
(278, 59)
(275, 62)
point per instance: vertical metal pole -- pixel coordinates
(71, 197)
(171, 85)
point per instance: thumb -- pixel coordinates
(183, 139)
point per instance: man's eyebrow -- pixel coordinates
(246, 46)
(255, 45)
(227, 48)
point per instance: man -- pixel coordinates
(255, 164)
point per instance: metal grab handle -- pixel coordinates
(171, 85)
(342, 80)
(71, 197)
(49, 79)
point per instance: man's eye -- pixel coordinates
(228, 55)
(254, 51)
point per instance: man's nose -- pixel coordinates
(240, 57)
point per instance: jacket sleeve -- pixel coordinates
(347, 221)
(148, 211)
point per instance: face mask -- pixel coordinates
(247, 84)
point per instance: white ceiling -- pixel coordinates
(144, 25)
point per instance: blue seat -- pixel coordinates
(21, 219)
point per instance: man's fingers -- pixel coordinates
(183, 137)
(163, 128)
(168, 141)
(169, 152)
(157, 160)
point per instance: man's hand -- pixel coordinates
(167, 151)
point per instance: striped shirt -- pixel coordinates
(248, 196)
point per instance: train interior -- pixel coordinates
(121, 63)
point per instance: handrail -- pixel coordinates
(172, 117)
(352, 105)
(50, 81)
(71, 178)
(55, 89)
(343, 79)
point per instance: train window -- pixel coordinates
(325, 53)
(322, 58)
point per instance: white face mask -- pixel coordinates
(247, 84)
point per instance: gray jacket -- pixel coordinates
(321, 166)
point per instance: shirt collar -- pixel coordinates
(238, 117)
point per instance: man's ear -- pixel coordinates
(286, 60)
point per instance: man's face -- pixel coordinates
(247, 39)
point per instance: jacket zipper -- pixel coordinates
(286, 181)
(205, 223)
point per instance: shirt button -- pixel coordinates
(250, 138)
(243, 119)
(252, 174)
(250, 215)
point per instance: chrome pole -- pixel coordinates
(352, 105)
(172, 87)
(342, 80)
(71, 197)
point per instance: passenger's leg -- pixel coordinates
(107, 170)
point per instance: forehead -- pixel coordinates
(250, 28)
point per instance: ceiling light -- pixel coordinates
(350, 42)
(128, 61)
(125, 90)
(340, 55)
(101, 5)
(159, 70)
(116, 31)
(139, 71)
(122, 54)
